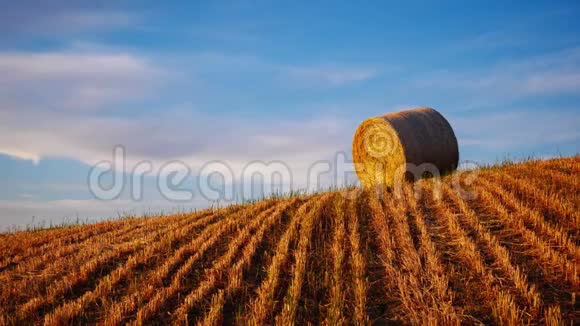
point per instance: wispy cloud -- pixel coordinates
(247, 66)
(522, 30)
(328, 76)
(191, 138)
(72, 81)
(12, 150)
(490, 41)
(556, 73)
(237, 35)
(553, 82)
(66, 92)
(62, 65)
(517, 129)
(92, 19)
(64, 18)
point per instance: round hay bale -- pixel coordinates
(383, 146)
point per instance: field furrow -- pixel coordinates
(242, 278)
(416, 304)
(226, 267)
(27, 241)
(336, 311)
(53, 251)
(570, 166)
(57, 277)
(552, 259)
(386, 243)
(555, 234)
(54, 241)
(558, 210)
(186, 256)
(182, 280)
(357, 263)
(435, 289)
(548, 179)
(556, 277)
(263, 306)
(498, 254)
(306, 243)
(215, 316)
(483, 297)
(72, 285)
(67, 312)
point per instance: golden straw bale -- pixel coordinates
(383, 146)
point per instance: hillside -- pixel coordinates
(510, 255)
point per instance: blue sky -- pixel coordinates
(238, 81)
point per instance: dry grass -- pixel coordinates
(510, 256)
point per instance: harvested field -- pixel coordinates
(509, 255)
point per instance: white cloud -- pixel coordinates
(63, 18)
(92, 19)
(19, 66)
(179, 135)
(49, 101)
(7, 149)
(517, 129)
(328, 76)
(52, 102)
(556, 73)
(491, 40)
(553, 82)
(72, 81)
(323, 75)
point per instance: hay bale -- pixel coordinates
(383, 145)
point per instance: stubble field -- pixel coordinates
(510, 255)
